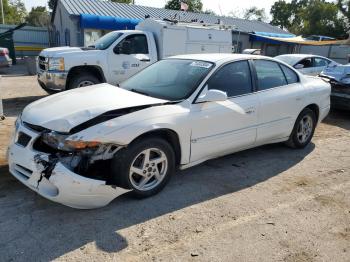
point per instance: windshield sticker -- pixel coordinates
(201, 64)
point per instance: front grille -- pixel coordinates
(23, 139)
(23, 171)
(43, 61)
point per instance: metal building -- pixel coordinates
(81, 22)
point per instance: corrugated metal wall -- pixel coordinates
(338, 53)
(29, 41)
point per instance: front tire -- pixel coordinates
(145, 167)
(82, 80)
(303, 130)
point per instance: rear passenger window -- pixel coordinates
(269, 74)
(291, 76)
(234, 79)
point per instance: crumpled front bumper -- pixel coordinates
(62, 186)
(52, 81)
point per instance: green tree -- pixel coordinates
(14, 11)
(316, 17)
(255, 13)
(322, 18)
(344, 7)
(51, 4)
(38, 16)
(193, 5)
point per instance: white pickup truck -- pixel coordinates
(120, 54)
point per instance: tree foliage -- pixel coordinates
(14, 12)
(255, 13)
(309, 17)
(38, 16)
(344, 7)
(193, 5)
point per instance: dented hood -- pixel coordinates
(64, 111)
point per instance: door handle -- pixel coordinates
(145, 60)
(250, 110)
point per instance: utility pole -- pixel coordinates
(2, 11)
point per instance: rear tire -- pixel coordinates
(303, 130)
(82, 80)
(145, 167)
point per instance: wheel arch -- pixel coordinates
(91, 69)
(315, 108)
(168, 135)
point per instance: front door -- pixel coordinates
(129, 56)
(219, 128)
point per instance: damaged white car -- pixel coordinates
(84, 147)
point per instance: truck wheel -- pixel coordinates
(303, 130)
(145, 167)
(83, 80)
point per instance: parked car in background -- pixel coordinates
(84, 147)
(120, 54)
(339, 78)
(307, 64)
(5, 60)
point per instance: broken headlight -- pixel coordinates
(60, 142)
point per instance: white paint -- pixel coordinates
(206, 130)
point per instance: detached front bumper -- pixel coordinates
(52, 81)
(62, 185)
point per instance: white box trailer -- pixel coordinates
(176, 38)
(120, 54)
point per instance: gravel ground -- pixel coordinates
(266, 204)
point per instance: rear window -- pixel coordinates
(291, 76)
(269, 74)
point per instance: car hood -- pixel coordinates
(62, 51)
(66, 110)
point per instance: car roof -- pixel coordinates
(301, 55)
(219, 57)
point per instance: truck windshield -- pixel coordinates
(106, 41)
(171, 79)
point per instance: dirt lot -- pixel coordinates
(266, 204)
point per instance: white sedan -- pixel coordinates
(84, 147)
(307, 64)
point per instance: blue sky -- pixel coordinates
(219, 6)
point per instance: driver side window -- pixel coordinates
(133, 44)
(234, 79)
(307, 62)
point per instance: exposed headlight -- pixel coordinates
(60, 142)
(56, 63)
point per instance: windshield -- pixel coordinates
(290, 60)
(171, 79)
(106, 41)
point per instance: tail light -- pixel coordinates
(4, 52)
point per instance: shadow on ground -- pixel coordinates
(14, 106)
(32, 228)
(339, 118)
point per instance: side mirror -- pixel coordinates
(212, 95)
(299, 66)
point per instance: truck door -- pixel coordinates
(128, 57)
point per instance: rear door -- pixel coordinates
(280, 95)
